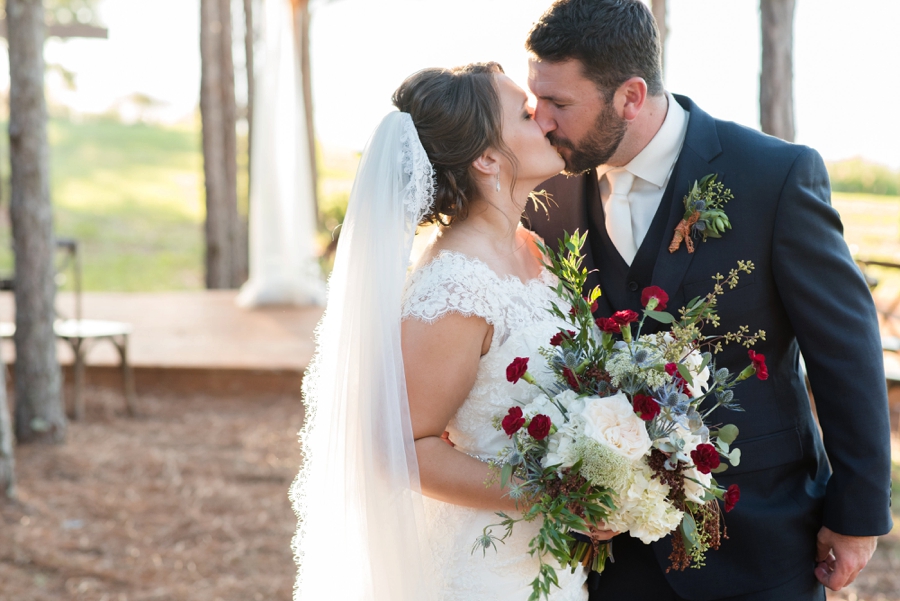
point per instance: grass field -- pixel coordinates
(132, 195)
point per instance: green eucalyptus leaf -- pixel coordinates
(735, 457)
(728, 433)
(718, 470)
(685, 373)
(505, 474)
(661, 316)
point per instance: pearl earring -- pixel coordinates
(498, 181)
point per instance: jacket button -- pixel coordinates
(633, 286)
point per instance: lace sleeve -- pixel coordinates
(452, 283)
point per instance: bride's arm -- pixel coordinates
(441, 362)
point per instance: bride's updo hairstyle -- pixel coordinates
(458, 117)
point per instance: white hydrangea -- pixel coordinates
(561, 447)
(643, 510)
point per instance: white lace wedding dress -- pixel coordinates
(453, 282)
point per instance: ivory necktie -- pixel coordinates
(618, 213)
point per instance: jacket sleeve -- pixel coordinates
(834, 319)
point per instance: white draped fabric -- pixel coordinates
(283, 265)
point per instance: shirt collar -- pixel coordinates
(655, 162)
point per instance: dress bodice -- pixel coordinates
(519, 313)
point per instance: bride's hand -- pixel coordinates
(600, 532)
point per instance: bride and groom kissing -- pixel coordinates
(409, 360)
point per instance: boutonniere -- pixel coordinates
(703, 214)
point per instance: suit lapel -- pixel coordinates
(701, 146)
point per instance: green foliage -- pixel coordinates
(857, 175)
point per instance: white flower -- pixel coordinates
(571, 401)
(692, 490)
(544, 406)
(611, 421)
(643, 510)
(561, 448)
(699, 378)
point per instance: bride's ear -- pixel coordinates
(488, 164)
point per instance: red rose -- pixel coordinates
(706, 458)
(513, 421)
(539, 427)
(646, 406)
(732, 496)
(516, 369)
(654, 292)
(759, 364)
(560, 336)
(625, 317)
(608, 325)
(571, 378)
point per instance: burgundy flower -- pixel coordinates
(672, 370)
(608, 325)
(654, 292)
(516, 369)
(706, 458)
(513, 421)
(732, 496)
(645, 406)
(571, 378)
(759, 364)
(560, 336)
(625, 317)
(539, 427)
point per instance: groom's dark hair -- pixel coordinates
(614, 40)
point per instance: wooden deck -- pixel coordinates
(193, 342)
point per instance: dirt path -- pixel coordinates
(186, 503)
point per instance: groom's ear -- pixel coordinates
(630, 98)
(488, 163)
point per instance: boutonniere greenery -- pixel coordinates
(704, 216)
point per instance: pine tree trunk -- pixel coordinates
(659, 12)
(302, 21)
(218, 114)
(40, 414)
(7, 459)
(776, 80)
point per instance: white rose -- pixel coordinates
(692, 490)
(611, 421)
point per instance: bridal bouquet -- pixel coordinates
(620, 438)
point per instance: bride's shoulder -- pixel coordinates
(445, 281)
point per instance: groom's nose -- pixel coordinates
(543, 116)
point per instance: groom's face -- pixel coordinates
(585, 129)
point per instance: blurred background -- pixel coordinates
(182, 493)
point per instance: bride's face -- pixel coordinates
(537, 159)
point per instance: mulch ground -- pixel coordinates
(188, 501)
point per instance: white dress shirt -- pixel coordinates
(652, 168)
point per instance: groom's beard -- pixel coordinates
(598, 145)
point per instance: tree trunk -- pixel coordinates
(7, 460)
(302, 20)
(659, 12)
(40, 414)
(218, 115)
(776, 80)
(248, 51)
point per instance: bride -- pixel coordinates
(410, 365)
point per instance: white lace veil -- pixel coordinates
(357, 495)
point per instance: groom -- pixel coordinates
(811, 506)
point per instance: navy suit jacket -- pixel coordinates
(808, 295)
